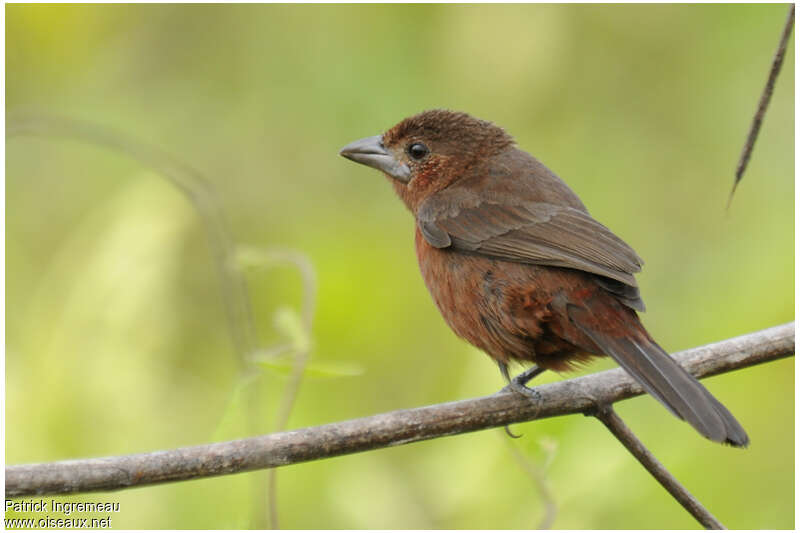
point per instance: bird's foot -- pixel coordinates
(519, 385)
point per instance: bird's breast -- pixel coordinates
(511, 311)
(492, 304)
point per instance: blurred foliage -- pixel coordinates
(116, 340)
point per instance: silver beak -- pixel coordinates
(371, 152)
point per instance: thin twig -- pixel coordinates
(766, 95)
(292, 389)
(251, 258)
(614, 423)
(389, 429)
(537, 474)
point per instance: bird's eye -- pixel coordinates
(418, 151)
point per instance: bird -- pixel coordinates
(519, 268)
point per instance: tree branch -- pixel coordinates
(617, 427)
(580, 395)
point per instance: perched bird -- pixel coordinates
(519, 268)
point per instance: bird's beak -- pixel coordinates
(371, 152)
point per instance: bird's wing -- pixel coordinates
(540, 233)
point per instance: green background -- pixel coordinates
(116, 339)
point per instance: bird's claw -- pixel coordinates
(519, 383)
(516, 385)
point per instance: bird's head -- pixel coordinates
(425, 153)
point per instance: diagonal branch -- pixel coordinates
(617, 427)
(766, 96)
(580, 395)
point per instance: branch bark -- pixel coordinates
(580, 395)
(617, 427)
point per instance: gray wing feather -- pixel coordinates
(517, 210)
(436, 236)
(534, 232)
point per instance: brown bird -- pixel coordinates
(519, 268)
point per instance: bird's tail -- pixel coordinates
(661, 376)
